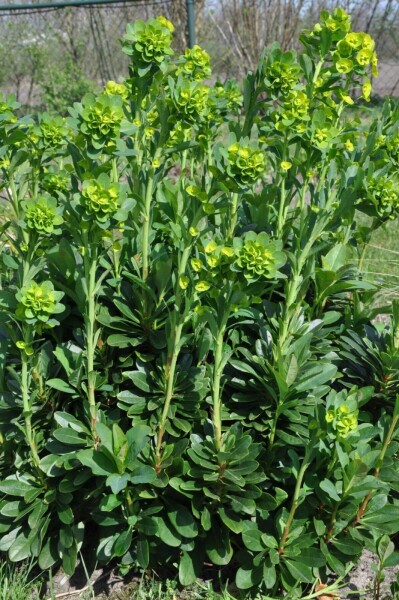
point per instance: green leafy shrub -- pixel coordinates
(191, 367)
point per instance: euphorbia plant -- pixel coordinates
(192, 372)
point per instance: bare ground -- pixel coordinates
(109, 586)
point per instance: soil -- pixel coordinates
(109, 586)
(361, 580)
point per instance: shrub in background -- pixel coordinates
(191, 371)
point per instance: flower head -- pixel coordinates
(282, 75)
(56, 183)
(52, 131)
(191, 100)
(382, 192)
(337, 21)
(166, 23)
(101, 118)
(41, 214)
(38, 302)
(100, 198)
(148, 43)
(195, 63)
(296, 106)
(245, 163)
(257, 256)
(116, 89)
(343, 419)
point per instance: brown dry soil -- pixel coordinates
(109, 586)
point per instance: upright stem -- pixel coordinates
(233, 215)
(281, 210)
(208, 163)
(14, 195)
(116, 242)
(114, 173)
(216, 392)
(379, 465)
(170, 374)
(302, 217)
(177, 329)
(273, 428)
(362, 257)
(146, 226)
(295, 282)
(333, 518)
(317, 71)
(28, 409)
(184, 161)
(295, 502)
(90, 265)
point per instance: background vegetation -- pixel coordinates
(47, 56)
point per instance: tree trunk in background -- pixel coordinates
(178, 16)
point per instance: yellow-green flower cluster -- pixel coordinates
(7, 106)
(148, 43)
(281, 76)
(52, 131)
(101, 119)
(245, 163)
(191, 100)
(355, 50)
(176, 135)
(42, 215)
(213, 265)
(116, 89)
(195, 63)
(38, 302)
(257, 256)
(296, 106)
(56, 183)
(343, 419)
(230, 92)
(100, 198)
(383, 192)
(391, 143)
(337, 21)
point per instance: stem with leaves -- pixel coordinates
(27, 407)
(149, 192)
(380, 461)
(296, 497)
(146, 225)
(294, 284)
(90, 267)
(233, 215)
(178, 319)
(218, 368)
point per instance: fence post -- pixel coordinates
(190, 4)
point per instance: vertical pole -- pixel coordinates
(190, 5)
